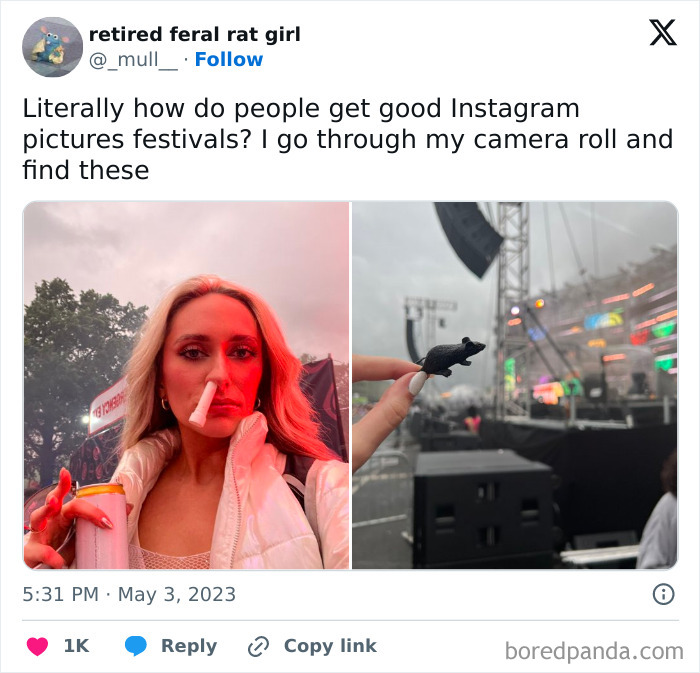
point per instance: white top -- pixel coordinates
(142, 559)
(659, 545)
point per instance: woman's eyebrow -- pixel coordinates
(192, 337)
(237, 338)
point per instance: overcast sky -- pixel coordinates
(400, 250)
(295, 255)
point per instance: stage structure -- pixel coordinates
(424, 311)
(513, 223)
(608, 345)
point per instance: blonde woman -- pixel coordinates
(215, 496)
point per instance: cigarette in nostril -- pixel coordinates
(199, 415)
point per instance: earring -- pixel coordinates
(164, 404)
(258, 404)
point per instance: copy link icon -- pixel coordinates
(258, 646)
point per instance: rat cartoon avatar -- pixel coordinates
(56, 56)
(49, 48)
(440, 358)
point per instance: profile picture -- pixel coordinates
(52, 47)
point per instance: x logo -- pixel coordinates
(662, 32)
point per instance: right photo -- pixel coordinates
(514, 385)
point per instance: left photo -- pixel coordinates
(186, 385)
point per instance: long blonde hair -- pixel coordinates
(290, 419)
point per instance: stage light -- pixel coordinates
(642, 290)
(514, 321)
(539, 303)
(640, 337)
(576, 329)
(646, 323)
(536, 334)
(612, 358)
(666, 316)
(664, 363)
(601, 320)
(664, 329)
(515, 310)
(617, 297)
(597, 343)
(664, 357)
(548, 393)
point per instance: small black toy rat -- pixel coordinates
(440, 358)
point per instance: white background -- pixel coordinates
(594, 53)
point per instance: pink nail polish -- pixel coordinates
(106, 523)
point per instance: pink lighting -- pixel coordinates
(643, 289)
(612, 358)
(618, 297)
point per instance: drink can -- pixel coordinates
(103, 548)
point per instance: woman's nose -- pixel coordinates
(220, 371)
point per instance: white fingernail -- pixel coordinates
(416, 384)
(106, 523)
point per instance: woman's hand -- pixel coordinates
(49, 525)
(375, 427)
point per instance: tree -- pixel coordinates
(73, 350)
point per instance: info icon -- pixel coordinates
(663, 594)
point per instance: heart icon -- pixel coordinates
(37, 646)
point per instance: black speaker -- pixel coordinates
(474, 240)
(410, 340)
(621, 538)
(481, 509)
(457, 440)
(595, 388)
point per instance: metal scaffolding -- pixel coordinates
(513, 290)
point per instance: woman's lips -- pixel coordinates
(224, 406)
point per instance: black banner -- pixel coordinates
(318, 383)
